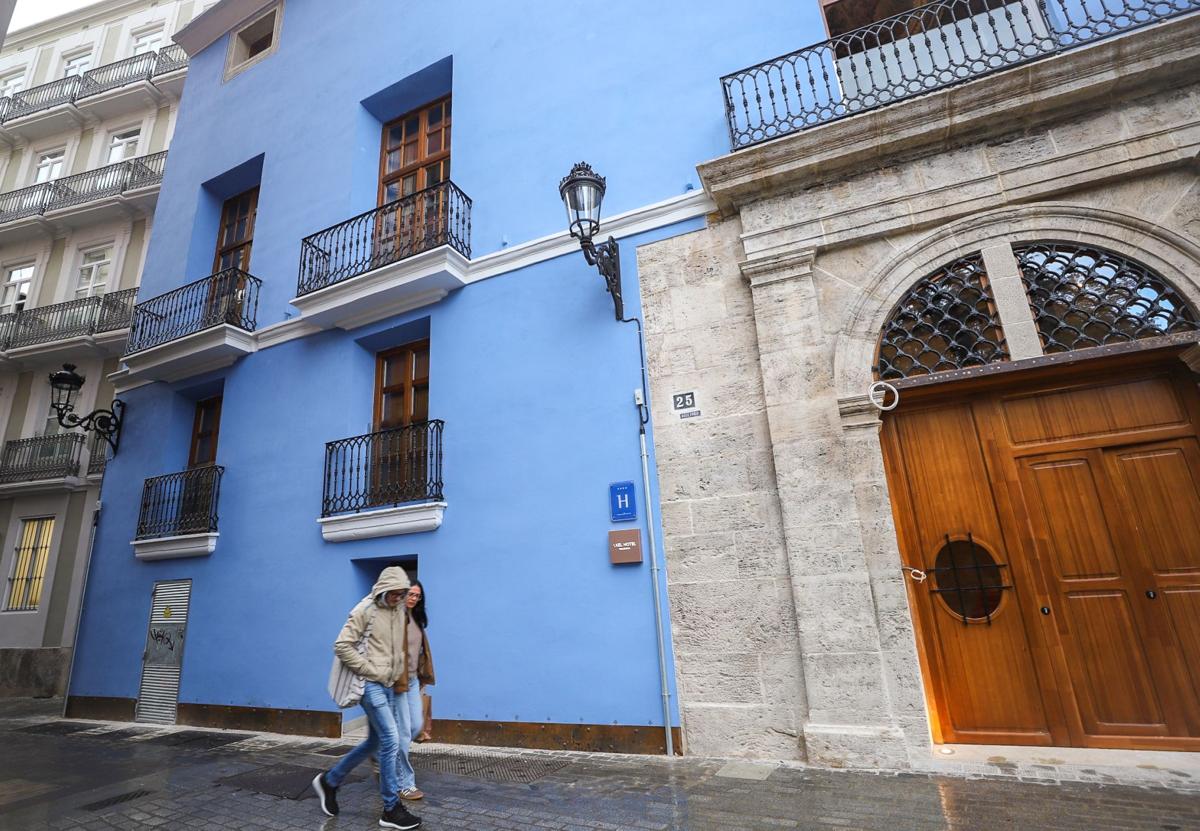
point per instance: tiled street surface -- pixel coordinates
(74, 774)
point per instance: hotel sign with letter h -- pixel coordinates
(622, 506)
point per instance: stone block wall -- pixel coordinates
(792, 629)
(729, 582)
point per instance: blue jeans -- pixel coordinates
(387, 727)
(410, 717)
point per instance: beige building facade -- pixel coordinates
(800, 629)
(87, 110)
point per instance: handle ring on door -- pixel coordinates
(877, 394)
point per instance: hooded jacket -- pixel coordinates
(384, 661)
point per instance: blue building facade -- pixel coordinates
(454, 346)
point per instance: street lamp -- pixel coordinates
(64, 385)
(582, 192)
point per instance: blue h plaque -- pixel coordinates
(622, 505)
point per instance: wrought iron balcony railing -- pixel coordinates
(44, 457)
(439, 215)
(101, 79)
(43, 97)
(74, 318)
(97, 455)
(103, 182)
(229, 296)
(170, 58)
(389, 467)
(932, 47)
(30, 201)
(180, 503)
(118, 74)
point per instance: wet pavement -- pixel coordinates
(98, 775)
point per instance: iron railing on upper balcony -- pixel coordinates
(68, 90)
(118, 74)
(227, 297)
(928, 48)
(73, 318)
(43, 97)
(97, 454)
(43, 457)
(438, 215)
(170, 58)
(180, 503)
(385, 468)
(30, 201)
(103, 182)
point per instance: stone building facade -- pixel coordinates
(792, 624)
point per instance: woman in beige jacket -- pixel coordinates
(382, 618)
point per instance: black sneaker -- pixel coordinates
(399, 817)
(326, 795)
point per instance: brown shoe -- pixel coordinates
(412, 794)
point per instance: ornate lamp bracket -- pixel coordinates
(606, 257)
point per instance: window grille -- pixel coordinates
(1084, 296)
(29, 565)
(946, 321)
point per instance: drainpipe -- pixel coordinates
(639, 398)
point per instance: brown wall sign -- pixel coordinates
(625, 546)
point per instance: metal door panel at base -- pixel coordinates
(1085, 491)
(162, 660)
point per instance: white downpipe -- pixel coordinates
(658, 621)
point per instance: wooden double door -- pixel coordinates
(1056, 521)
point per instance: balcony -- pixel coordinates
(95, 195)
(928, 48)
(383, 484)
(201, 326)
(104, 92)
(178, 516)
(97, 324)
(41, 463)
(400, 256)
(97, 456)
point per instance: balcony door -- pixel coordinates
(400, 450)
(414, 156)
(235, 239)
(196, 498)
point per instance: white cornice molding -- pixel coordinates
(69, 23)
(630, 223)
(658, 215)
(206, 29)
(647, 218)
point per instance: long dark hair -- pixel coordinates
(418, 612)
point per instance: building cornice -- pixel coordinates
(1154, 57)
(68, 23)
(206, 29)
(690, 205)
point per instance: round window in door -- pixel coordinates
(969, 580)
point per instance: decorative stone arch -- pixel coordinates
(1175, 257)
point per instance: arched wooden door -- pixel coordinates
(1056, 513)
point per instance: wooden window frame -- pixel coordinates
(248, 242)
(406, 386)
(422, 161)
(196, 434)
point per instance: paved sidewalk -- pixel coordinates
(100, 775)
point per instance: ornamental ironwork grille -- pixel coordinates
(29, 565)
(1084, 296)
(946, 321)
